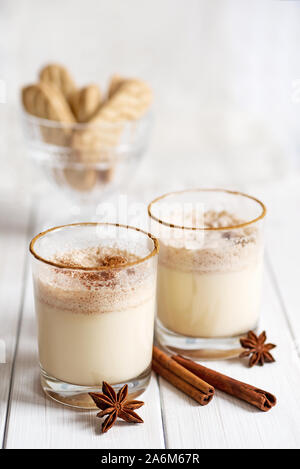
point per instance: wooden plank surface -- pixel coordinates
(225, 423)
(283, 234)
(228, 423)
(13, 250)
(178, 422)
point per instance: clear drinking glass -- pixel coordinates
(210, 270)
(95, 294)
(86, 161)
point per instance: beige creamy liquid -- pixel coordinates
(95, 327)
(214, 288)
(209, 304)
(88, 349)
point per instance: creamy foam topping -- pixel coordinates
(115, 288)
(212, 251)
(95, 257)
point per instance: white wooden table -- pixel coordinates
(27, 418)
(30, 420)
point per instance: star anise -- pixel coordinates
(258, 350)
(115, 405)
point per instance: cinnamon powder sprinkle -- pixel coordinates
(112, 258)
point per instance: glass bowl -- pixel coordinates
(87, 161)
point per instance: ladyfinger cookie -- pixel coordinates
(57, 75)
(130, 101)
(85, 102)
(83, 180)
(47, 102)
(114, 84)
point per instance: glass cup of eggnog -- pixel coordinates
(209, 270)
(95, 301)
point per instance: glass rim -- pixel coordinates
(59, 265)
(40, 121)
(192, 228)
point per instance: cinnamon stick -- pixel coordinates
(263, 400)
(168, 362)
(181, 378)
